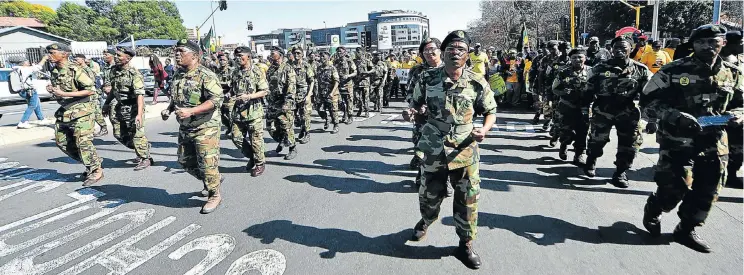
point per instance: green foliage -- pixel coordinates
(148, 19)
(24, 9)
(81, 23)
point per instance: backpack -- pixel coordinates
(16, 84)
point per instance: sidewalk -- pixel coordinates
(10, 135)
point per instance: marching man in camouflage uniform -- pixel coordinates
(128, 87)
(98, 116)
(281, 100)
(248, 87)
(108, 108)
(551, 72)
(328, 91)
(224, 73)
(692, 158)
(453, 96)
(196, 97)
(73, 132)
(573, 106)
(346, 71)
(613, 85)
(544, 92)
(379, 77)
(305, 77)
(365, 70)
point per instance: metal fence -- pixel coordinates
(9, 59)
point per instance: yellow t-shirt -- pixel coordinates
(527, 67)
(654, 60)
(408, 65)
(263, 67)
(641, 52)
(669, 51)
(395, 64)
(512, 78)
(479, 62)
(419, 60)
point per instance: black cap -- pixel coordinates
(621, 39)
(563, 45)
(58, 47)
(734, 37)
(296, 47)
(189, 44)
(427, 41)
(656, 44)
(577, 51)
(127, 50)
(277, 49)
(455, 36)
(242, 49)
(111, 51)
(80, 55)
(707, 31)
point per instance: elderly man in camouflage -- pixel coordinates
(692, 157)
(573, 106)
(305, 78)
(128, 87)
(73, 132)
(327, 91)
(453, 96)
(248, 86)
(224, 72)
(196, 97)
(613, 86)
(281, 102)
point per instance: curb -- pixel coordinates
(10, 135)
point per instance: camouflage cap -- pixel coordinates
(455, 36)
(188, 44)
(242, 49)
(58, 47)
(707, 31)
(427, 41)
(126, 50)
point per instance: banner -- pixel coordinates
(402, 75)
(206, 42)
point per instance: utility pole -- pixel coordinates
(637, 10)
(573, 25)
(716, 11)
(655, 22)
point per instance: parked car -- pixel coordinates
(149, 81)
(38, 83)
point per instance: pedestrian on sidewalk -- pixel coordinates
(159, 74)
(29, 93)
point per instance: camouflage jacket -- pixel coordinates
(92, 74)
(191, 89)
(413, 76)
(365, 71)
(613, 89)
(304, 76)
(248, 81)
(737, 101)
(593, 59)
(224, 74)
(379, 74)
(345, 66)
(570, 85)
(282, 85)
(542, 74)
(451, 108)
(327, 79)
(126, 84)
(690, 86)
(71, 78)
(551, 71)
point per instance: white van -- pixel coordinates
(5, 95)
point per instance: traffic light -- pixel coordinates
(362, 40)
(223, 5)
(368, 39)
(250, 25)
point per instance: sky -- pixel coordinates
(444, 16)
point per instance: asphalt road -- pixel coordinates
(345, 205)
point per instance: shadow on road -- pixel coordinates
(390, 128)
(149, 195)
(377, 138)
(343, 185)
(546, 231)
(344, 241)
(385, 152)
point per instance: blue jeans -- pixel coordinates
(34, 105)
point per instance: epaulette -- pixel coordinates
(479, 79)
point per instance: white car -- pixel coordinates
(5, 95)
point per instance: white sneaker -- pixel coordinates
(45, 122)
(24, 125)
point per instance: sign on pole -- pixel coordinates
(335, 43)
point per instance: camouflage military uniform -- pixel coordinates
(224, 74)
(365, 69)
(199, 135)
(74, 128)
(346, 68)
(111, 105)
(544, 93)
(328, 93)
(98, 115)
(378, 84)
(613, 89)
(551, 72)
(281, 103)
(683, 89)
(735, 132)
(573, 107)
(449, 150)
(248, 117)
(305, 77)
(126, 85)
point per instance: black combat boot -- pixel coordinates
(563, 153)
(419, 231)
(619, 178)
(651, 218)
(590, 167)
(325, 126)
(546, 125)
(415, 162)
(466, 254)
(279, 148)
(685, 234)
(579, 158)
(536, 119)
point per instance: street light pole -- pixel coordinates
(655, 22)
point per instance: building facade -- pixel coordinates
(398, 29)
(322, 37)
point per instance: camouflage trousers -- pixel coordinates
(553, 115)
(629, 138)
(75, 139)
(377, 96)
(693, 179)
(433, 189)
(736, 149)
(248, 138)
(329, 107)
(112, 112)
(128, 133)
(282, 128)
(347, 102)
(415, 138)
(361, 97)
(303, 113)
(199, 154)
(226, 111)
(98, 113)
(573, 127)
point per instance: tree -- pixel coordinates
(24, 9)
(500, 21)
(102, 7)
(148, 19)
(81, 23)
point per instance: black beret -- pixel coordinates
(110, 51)
(80, 55)
(189, 44)
(455, 36)
(707, 31)
(58, 47)
(553, 43)
(339, 48)
(127, 50)
(734, 37)
(563, 45)
(296, 47)
(656, 43)
(621, 39)
(324, 52)
(436, 42)
(577, 51)
(242, 49)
